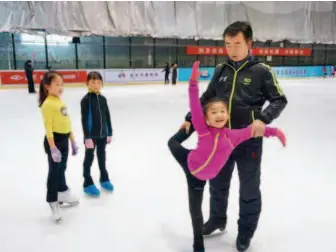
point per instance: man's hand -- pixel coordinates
(258, 128)
(186, 125)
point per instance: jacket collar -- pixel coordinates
(52, 97)
(93, 92)
(237, 64)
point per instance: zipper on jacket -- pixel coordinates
(209, 158)
(101, 117)
(233, 87)
(252, 114)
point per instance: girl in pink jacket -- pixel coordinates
(215, 145)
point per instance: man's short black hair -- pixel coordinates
(239, 26)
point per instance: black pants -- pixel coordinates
(195, 187)
(56, 176)
(31, 85)
(167, 78)
(247, 156)
(100, 145)
(174, 78)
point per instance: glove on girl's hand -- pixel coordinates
(195, 73)
(74, 147)
(56, 155)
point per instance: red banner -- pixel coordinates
(266, 51)
(19, 77)
(73, 76)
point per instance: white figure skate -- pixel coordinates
(68, 198)
(55, 211)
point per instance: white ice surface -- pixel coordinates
(148, 211)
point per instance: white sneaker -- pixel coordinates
(55, 210)
(67, 197)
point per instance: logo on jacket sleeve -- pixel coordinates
(223, 78)
(247, 81)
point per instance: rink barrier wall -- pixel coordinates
(280, 72)
(17, 78)
(116, 76)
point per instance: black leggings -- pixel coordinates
(100, 144)
(195, 187)
(56, 181)
(167, 78)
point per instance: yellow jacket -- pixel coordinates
(55, 116)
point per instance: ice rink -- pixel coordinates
(148, 211)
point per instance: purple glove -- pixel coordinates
(56, 155)
(74, 147)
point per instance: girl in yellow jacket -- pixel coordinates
(56, 143)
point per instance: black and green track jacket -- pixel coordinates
(246, 89)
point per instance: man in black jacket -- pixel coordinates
(29, 75)
(246, 84)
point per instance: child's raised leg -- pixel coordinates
(179, 152)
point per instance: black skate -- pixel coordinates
(198, 246)
(243, 242)
(211, 226)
